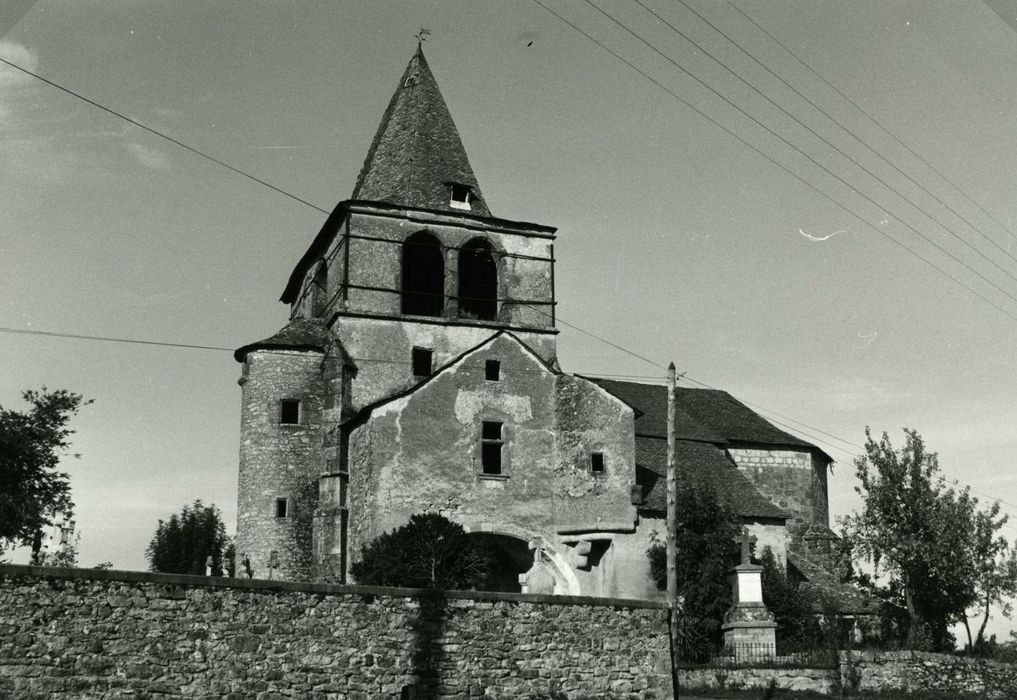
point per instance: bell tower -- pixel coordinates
(404, 277)
(414, 265)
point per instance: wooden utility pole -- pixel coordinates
(672, 530)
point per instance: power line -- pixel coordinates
(134, 341)
(24, 331)
(164, 136)
(809, 157)
(843, 128)
(872, 119)
(778, 164)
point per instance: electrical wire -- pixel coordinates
(810, 158)
(872, 119)
(778, 164)
(843, 128)
(164, 136)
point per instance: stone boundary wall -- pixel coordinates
(873, 672)
(87, 632)
(818, 680)
(911, 671)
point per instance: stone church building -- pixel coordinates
(419, 372)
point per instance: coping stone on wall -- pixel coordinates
(256, 584)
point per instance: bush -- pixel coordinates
(183, 543)
(428, 552)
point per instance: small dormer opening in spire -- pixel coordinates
(460, 196)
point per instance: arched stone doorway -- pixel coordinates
(524, 565)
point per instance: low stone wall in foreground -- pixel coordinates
(911, 671)
(83, 632)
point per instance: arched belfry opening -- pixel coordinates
(478, 281)
(423, 278)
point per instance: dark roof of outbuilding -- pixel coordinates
(417, 153)
(298, 334)
(706, 462)
(847, 598)
(704, 415)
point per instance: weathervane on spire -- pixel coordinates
(422, 36)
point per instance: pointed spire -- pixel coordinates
(417, 155)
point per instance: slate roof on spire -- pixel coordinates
(417, 154)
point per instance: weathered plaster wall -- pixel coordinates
(382, 350)
(626, 567)
(795, 480)
(588, 420)
(86, 633)
(421, 453)
(279, 461)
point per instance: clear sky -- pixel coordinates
(677, 241)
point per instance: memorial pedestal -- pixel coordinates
(749, 629)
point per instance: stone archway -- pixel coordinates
(526, 564)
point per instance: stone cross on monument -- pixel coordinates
(749, 628)
(747, 542)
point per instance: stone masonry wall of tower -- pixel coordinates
(279, 461)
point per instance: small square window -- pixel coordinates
(492, 370)
(597, 462)
(422, 359)
(289, 411)
(460, 196)
(281, 507)
(491, 430)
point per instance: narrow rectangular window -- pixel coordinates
(289, 411)
(490, 447)
(281, 507)
(492, 370)
(422, 358)
(597, 462)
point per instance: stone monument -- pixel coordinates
(749, 629)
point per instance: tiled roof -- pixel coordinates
(706, 462)
(650, 404)
(417, 153)
(707, 415)
(848, 599)
(298, 334)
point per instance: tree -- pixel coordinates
(31, 446)
(993, 570)
(918, 531)
(430, 551)
(793, 607)
(183, 543)
(707, 527)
